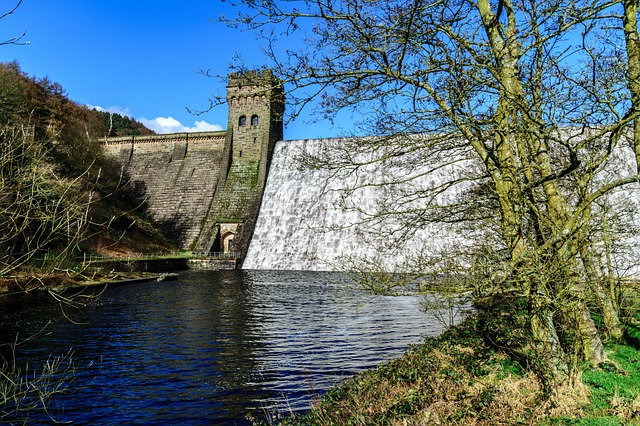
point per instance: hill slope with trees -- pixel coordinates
(59, 195)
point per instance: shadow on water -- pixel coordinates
(213, 346)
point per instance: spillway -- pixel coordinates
(326, 218)
(319, 212)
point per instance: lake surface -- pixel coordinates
(213, 346)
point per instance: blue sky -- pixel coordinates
(137, 57)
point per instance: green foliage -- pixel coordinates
(504, 322)
(118, 125)
(633, 335)
(615, 385)
(614, 391)
(599, 421)
(56, 186)
(14, 87)
(630, 307)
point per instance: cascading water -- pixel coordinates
(319, 215)
(332, 204)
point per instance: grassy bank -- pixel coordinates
(459, 379)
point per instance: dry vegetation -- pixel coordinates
(460, 379)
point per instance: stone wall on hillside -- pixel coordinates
(174, 177)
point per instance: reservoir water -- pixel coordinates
(211, 347)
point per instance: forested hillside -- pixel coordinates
(59, 196)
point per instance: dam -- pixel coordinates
(203, 190)
(315, 204)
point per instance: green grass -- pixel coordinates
(458, 379)
(614, 387)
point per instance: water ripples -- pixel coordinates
(214, 346)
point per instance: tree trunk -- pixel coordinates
(603, 298)
(592, 347)
(630, 25)
(554, 368)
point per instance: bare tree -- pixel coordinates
(16, 39)
(529, 95)
(40, 210)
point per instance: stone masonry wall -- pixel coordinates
(256, 105)
(175, 176)
(194, 184)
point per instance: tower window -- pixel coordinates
(254, 120)
(242, 121)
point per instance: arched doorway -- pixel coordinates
(227, 236)
(226, 242)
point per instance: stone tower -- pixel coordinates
(256, 106)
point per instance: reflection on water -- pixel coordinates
(213, 346)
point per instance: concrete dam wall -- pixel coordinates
(320, 204)
(305, 216)
(203, 190)
(174, 176)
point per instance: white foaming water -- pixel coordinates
(324, 218)
(326, 215)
